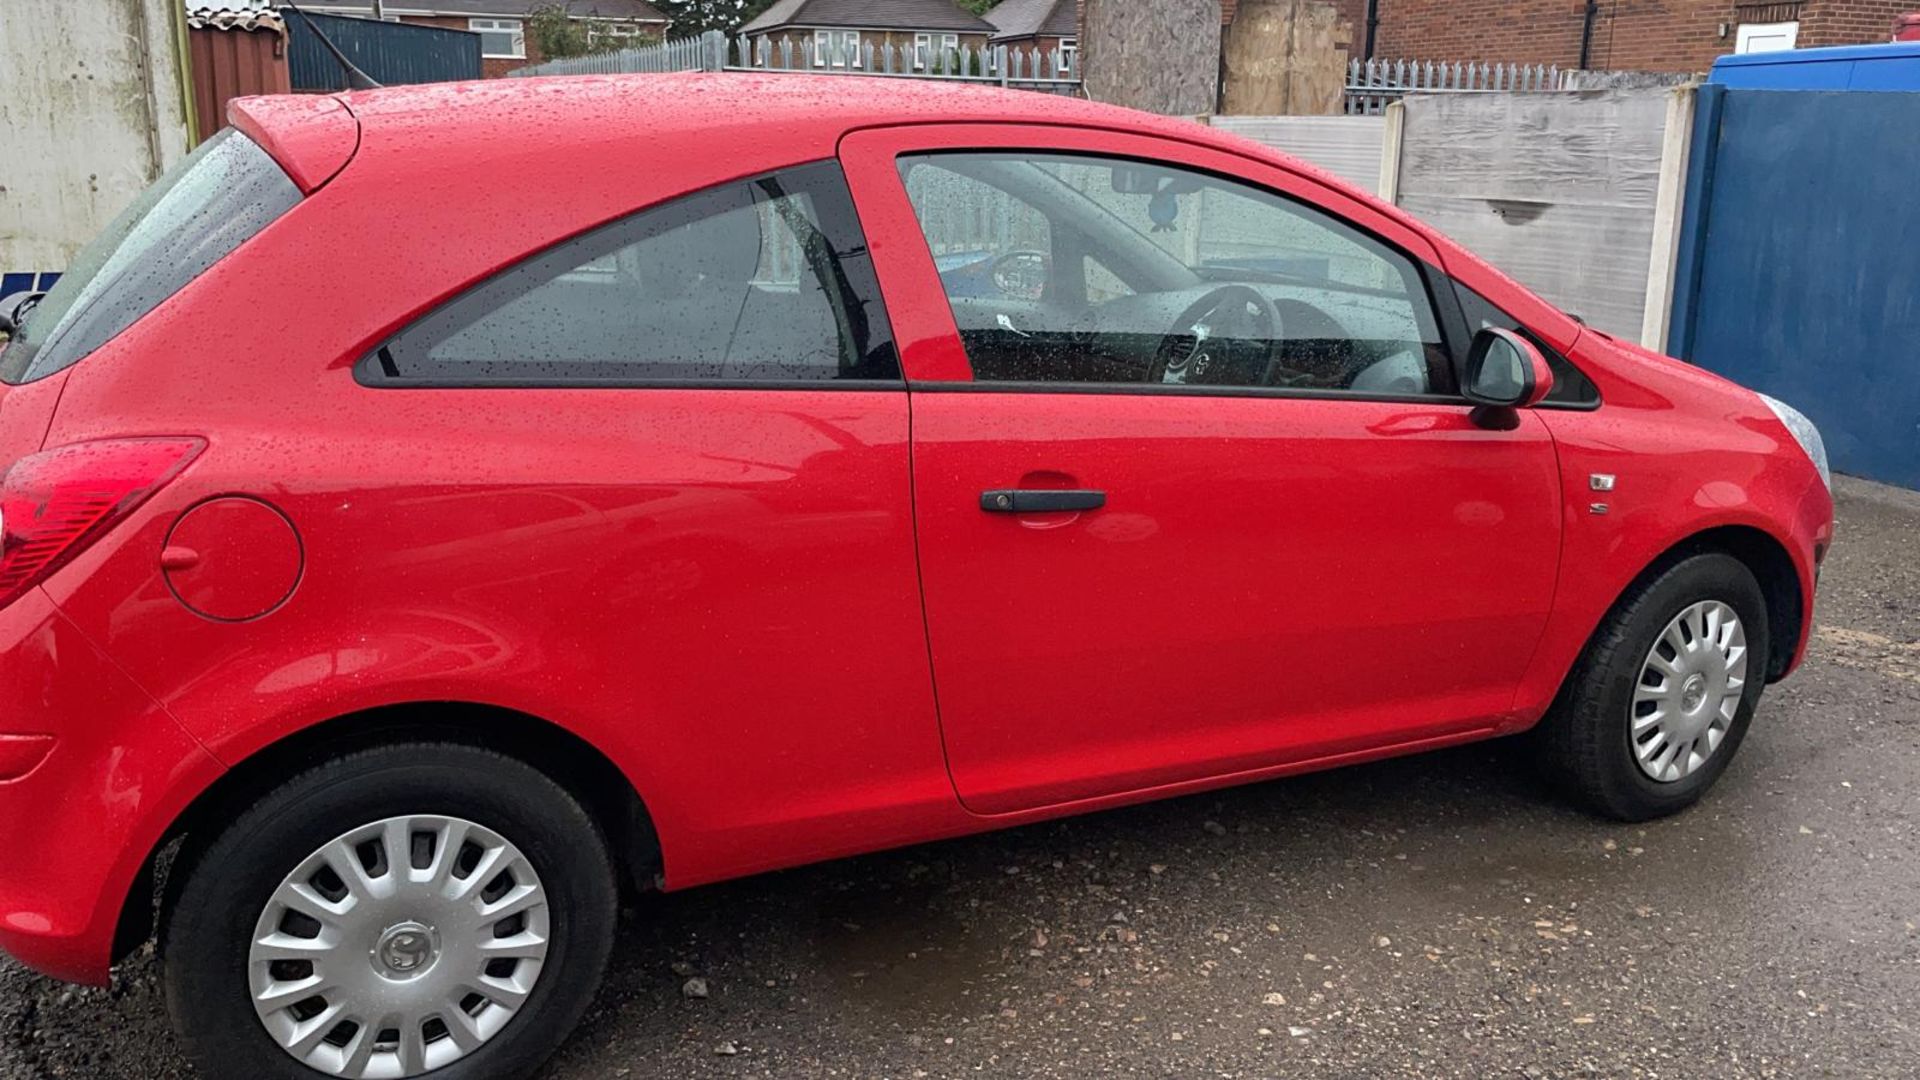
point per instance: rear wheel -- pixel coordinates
(411, 910)
(1655, 708)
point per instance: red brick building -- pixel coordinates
(505, 42)
(1625, 35)
(1043, 29)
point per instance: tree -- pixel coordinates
(694, 17)
(556, 33)
(1159, 55)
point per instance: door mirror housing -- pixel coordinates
(1505, 371)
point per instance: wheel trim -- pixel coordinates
(1688, 691)
(399, 947)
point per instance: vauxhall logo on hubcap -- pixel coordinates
(406, 949)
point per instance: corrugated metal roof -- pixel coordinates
(235, 15)
(1033, 18)
(869, 14)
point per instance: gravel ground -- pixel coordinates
(1438, 916)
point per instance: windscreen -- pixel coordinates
(192, 217)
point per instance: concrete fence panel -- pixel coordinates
(1561, 190)
(1347, 146)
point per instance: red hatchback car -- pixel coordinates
(431, 511)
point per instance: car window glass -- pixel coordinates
(765, 280)
(1152, 274)
(1570, 385)
(214, 200)
(985, 243)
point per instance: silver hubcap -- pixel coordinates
(1689, 691)
(398, 948)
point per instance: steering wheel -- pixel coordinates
(1196, 345)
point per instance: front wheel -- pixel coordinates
(1660, 700)
(416, 909)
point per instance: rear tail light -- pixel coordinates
(56, 502)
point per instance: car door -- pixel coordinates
(1203, 501)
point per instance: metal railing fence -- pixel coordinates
(1375, 84)
(997, 65)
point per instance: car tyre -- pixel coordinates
(1587, 740)
(211, 924)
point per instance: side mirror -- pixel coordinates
(1505, 371)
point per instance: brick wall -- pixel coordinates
(1850, 22)
(1039, 50)
(1637, 35)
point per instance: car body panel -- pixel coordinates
(720, 589)
(1689, 452)
(1312, 568)
(79, 825)
(716, 588)
(311, 137)
(1271, 578)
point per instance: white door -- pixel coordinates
(1766, 37)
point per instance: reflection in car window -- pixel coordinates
(1570, 385)
(1094, 270)
(763, 280)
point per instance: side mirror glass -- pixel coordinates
(1022, 275)
(1504, 370)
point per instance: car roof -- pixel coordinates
(502, 148)
(736, 101)
(669, 119)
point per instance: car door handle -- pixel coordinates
(1039, 501)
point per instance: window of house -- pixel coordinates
(836, 48)
(1100, 270)
(1069, 53)
(613, 34)
(765, 280)
(504, 39)
(929, 49)
(1766, 37)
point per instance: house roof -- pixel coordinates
(1034, 18)
(636, 10)
(234, 15)
(869, 14)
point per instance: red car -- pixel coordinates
(433, 511)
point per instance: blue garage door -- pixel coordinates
(1799, 268)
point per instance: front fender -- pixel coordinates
(1706, 481)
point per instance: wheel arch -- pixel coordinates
(1772, 566)
(569, 760)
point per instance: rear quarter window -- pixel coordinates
(210, 203)
(753, 283)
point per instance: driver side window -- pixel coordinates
(1094, 270)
